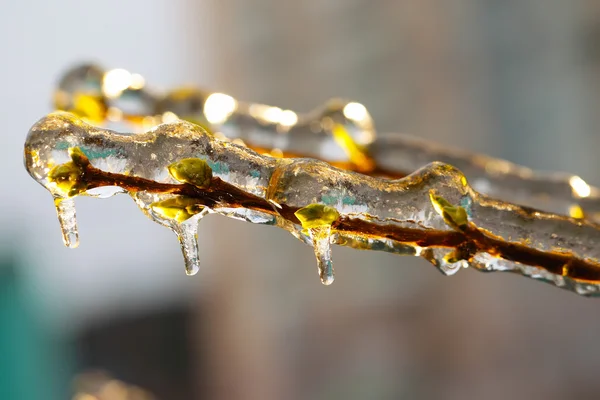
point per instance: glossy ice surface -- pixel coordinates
(341, 133)
(178, 172)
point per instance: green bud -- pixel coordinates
(193, 171)
(67, 178)
(178, 208)
(455, 216)
(316, 215)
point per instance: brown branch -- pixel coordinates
(467, 241)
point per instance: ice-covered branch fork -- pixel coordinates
(178, 172)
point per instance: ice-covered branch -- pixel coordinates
(341, 133)
(178, 172)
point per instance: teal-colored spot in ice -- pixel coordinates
(218, 167)
(255, 173)
(62, 146)
(332, 199)
(348, 200)
(93, 154)
(89, 152)
(329, 200)
(467, 204)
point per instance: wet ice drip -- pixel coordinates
(340, 133)
(177, 173)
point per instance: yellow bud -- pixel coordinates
(177, 208)
(455, 216)
(67, 178)
(193, 171)
(89, 107)
(315, 215)
(575, 211)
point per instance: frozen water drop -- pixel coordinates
(443, 260)
(72, 240)
(65, 209)
(192, 267)
(450, 268)
(328, 278)
(321, 238)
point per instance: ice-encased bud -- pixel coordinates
(193, 171)
(317, 220)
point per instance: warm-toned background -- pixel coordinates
(515, 79)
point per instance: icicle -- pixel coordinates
(187, 233)
(182, 214)
(65, 208)
(321, 239)
(317, 220)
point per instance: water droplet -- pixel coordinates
(451, 268)
(321, 238)
(65, 209)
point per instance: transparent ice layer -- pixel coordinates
(340, 133)
(178, 172)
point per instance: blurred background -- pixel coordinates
(513, 79)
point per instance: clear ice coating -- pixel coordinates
(341, 133)
(177, 172)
